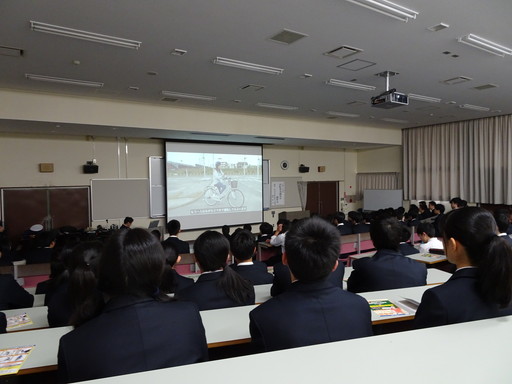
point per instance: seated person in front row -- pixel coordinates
(481, 287)
(172, 281)
(3, 323)
(312, 310)
(12, 295)
(139, 329)
(218, 286)
(406, 248)
(388, 268)
(243, 248)
(174, 228)
(502, 221)
(427, 234)
(343, 226)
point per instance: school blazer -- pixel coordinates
(178, 244)
(255, 273)
(307, 314)
(282, 278)
(456, 301)
(12, 295)
(3, 323)
(133, 335)
(387, 269)
(207, 293)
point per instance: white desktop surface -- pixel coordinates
(46, 341)
(470, 353)
(262, 293)
(38, 315)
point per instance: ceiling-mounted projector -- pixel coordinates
(390, 100)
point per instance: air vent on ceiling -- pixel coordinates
(356, 65)
(456, 80)
(252, 87)
(485, 86)
(343, 52)
(170, 99)
(287, 37)
(10, 51)
(438, 27)
(356, 103)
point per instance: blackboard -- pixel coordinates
(118, 198)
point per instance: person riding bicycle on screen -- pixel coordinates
(218, 178)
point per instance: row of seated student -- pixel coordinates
(131, 267)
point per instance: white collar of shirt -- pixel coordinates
(206, 272)
(469, 266)
(246, 263)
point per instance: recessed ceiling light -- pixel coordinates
(191, 96)
(84, 35)
(178, 52)
(475, 107)
(62, 80)
(427, 99)
(485, 45)
(248, 66)
(456, 80)
(349, 84)
(438, 27)
(277, 106)
(342, 114)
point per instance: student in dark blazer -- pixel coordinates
(405, 247)
(502, 221)
(481, 286)
(139, 328)
(312, 310)
(172, 281)
(343, 226)
(243, 248)
(78, 293)
(174, 228)
(12, 295)
(388, 268)
(218, 286)
(3, 323)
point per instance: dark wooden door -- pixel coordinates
(52, 207)
(322, 197)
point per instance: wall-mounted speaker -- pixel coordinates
(91, 168)
(303, 169)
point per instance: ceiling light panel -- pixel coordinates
(287, 37)
(84, 35)
(349, 84)
(387, 8)
(485, 45)
(438, 27)
(61, 80)
(277, 106)
(190, 96)
(248, 66)
(475, 107)
(342, 114)
(426, 99)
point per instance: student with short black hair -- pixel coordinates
(427, 234)
(174, 228)
(218, 286)
(266, 232)
(127, 223)
(342, 225)
(481, 286)
(405, 247)
(502, 221)
(388, 268)
(139, 329)
(312, 310)
(243, 248)
(456, 202)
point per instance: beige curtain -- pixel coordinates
(303, 193)
(471, 159)
(376, 180)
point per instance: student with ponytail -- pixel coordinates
(481, 287)
(218, 286)
(77, 299)
(139, 328)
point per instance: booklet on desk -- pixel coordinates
(12, 359)
(384, 308)
(18, 321)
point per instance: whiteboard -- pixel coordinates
(118, 198)
(375, 199)
(156, 186)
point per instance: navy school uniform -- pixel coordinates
(256, 272)
(12, 295)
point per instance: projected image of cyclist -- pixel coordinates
(219, 178)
